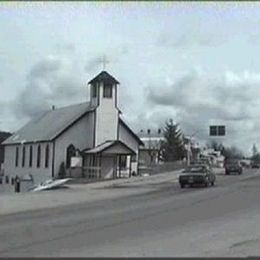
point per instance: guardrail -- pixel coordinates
(161, 168)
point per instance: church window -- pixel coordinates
(107, 91)
(23, 157)
(31, 156)
(17, 157)
(47, 156)
(71, 151)
(94, 91)
(38, 156)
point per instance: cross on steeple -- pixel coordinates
(104, 62)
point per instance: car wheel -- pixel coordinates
(182, 186)
(212, 183)
(227, 173)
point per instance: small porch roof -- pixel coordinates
(111, 147)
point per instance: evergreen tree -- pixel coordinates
(255, 155)
(172, 146)
(254, 150)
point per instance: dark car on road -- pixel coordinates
(233, 166)
(197, 174)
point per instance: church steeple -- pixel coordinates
(103, 86)
(103, 95)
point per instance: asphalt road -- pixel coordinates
(217, 221)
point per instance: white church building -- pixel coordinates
(88, 140)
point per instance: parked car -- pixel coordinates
(197, 174)
(233, 166)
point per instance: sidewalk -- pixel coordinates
(79, 193)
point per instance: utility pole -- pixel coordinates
(149, 144)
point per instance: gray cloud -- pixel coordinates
(192, 38)
(222, 98)
(94, 63)
(197, 100)
(67, 47)
(45, 67)
(55, 80)
(51, 81)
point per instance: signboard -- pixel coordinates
(217, 130)
(76, 162)
(221, 130)
(213, 130)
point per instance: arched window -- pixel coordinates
(47, 156)
(39, 156)
(17, 157)
(23, 156)
(71, 151)
(94, 91)
(31, 156)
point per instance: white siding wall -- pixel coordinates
(106, 118)
(39, 174)
(80, 135)
(131, 142)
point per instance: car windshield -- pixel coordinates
(232, 162)
(195, 169)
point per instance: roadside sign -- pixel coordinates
(221, 130)
(213, 130)
(76, 162)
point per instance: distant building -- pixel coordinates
(150, 152)
(88, 139)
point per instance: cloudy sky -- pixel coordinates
(197, 63)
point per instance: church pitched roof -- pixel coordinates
(105, 77)
(104, 148)
(130, 131)
(50, 124)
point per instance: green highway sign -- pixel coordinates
(217, 130)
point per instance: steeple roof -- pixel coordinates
(104, 77)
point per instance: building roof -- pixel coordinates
(104, 147)
(4, 136)
(50, 124)
(153, 134)
(105, 77)
(131, 132)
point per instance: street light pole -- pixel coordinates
(189, 152)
